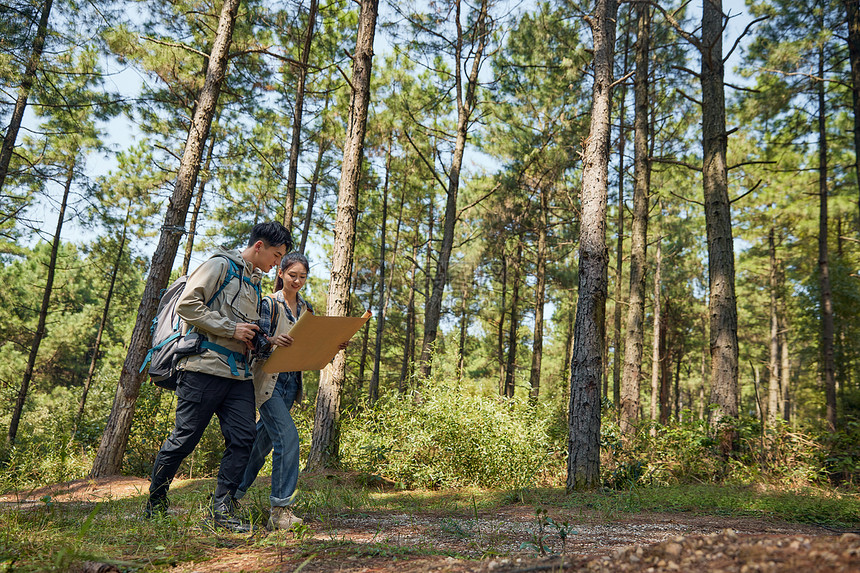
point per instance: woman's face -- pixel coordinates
(294, 277)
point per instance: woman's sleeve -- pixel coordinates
(266, 315)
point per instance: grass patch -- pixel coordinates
(53, 536)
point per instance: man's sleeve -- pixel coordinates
(202, 285)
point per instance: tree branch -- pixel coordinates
(741, 88)
(686, 69)
(427, 163)
(487, 194)
(620, 80)
(742, 195)
(744, 33)
(685, 198)
(675, 162)
(691, 98)
(175, 45)
(741, 164)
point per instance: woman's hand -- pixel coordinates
(283, 340)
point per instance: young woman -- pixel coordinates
(275, 394)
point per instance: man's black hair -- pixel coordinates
(272, 233)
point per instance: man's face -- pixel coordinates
(267, 256)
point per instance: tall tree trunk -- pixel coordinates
(706, 371)
(43, 313)
(461, 347)
(718, 221)
(619, 245)
(325, 440)
(108, 460)
(373, 393)
(513, 343)
(24, 92)
(635, 331)
(102, 324)
(292, 172)
(540, 297)
(665, 367)
(409, 343)
(465, 107)
(198, 203)
(826, 296)
(785, 369)
(853, 12)
(365, 340)
(500, 333)
(655, 339)
(679, 356)
(583, 465)
(312, 193)
(773, 362)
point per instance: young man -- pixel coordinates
(219, 380)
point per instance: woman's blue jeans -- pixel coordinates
(276, 432)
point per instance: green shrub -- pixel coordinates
(687, 452)
(449, 438)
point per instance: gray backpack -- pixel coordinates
(168, 343)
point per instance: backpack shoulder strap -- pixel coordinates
(232, 271)
(273, 306)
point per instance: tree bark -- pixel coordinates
(773, 361)
(655, 339)
(583, 466)
(43, 313)
(721, 262)
(24, 92)
(325, 443)
(312, 192)
(635, 332)
(108, 460)
(853, 13)
(826, 295)
(409, 343)
(785, 369)
(619, 245)
(293, 169)
(464, 316)
(665, 367)
(540, 297)
(365, 340)
(465, 107)
(511, 364)
(500, 334)
(195, 213)
(373, 389)
(102, 324)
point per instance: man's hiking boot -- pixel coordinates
(156, 506)
(224, 513)
(283, 518)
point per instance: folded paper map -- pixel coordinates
(316, 340)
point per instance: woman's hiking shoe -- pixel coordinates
(283, 518)
(156, 507)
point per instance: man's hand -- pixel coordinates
(245, 332)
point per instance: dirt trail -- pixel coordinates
(507, 541)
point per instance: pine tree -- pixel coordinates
(583, 466)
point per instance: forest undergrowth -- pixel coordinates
(445, 455)
(448, 436)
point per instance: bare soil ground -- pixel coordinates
(505, 541)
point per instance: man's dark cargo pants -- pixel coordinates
(198, 397)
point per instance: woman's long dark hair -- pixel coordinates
(289, 260)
